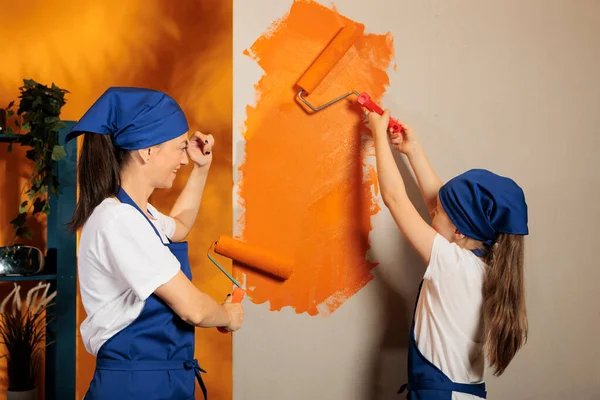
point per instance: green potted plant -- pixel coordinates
(37, 125)
(23, 332)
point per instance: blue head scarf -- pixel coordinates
(482, 204)
(135, 118)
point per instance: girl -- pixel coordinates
(133, 268)
(471, 303)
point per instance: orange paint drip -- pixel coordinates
(307, 191)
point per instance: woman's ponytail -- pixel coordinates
(98, 172)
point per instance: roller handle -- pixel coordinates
(236, 297)
(365, 100)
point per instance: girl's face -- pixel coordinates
(442, 224)
(166, 160)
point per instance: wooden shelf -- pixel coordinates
(35, 277)
(60, 272)
(4, 138)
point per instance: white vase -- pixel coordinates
(25, 395)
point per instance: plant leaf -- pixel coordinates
(38, 205)
(28, 234)
(19, 220)
(10, 113)
(58, 152)
(22, 206)
(24, 232)
(31, 154)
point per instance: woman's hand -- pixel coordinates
(236, 314)
(200, 149)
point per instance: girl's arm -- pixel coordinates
(429, 182)
(185, 209)
(393, 192)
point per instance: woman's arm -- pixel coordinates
(393, 192)
(197, 308)
(185, 209)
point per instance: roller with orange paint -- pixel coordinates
(259, 260)
(330, 56)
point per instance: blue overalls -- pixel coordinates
(425, 380)
(153, 357)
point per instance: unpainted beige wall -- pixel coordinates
(512, 86)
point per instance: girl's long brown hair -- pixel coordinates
(504, 313)
(98, 175)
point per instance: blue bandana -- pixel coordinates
(135, 118)
(482, 204)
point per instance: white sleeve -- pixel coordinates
(166, 223)
(134, 251)
(445, 258)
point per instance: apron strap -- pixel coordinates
(193, 364)
(481, 252)
(403, 388)
(126, 199)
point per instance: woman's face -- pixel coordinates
(166, 159)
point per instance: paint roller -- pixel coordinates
(253, 258)
(325, 62)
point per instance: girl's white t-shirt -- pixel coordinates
(448, 318)
(121, 262)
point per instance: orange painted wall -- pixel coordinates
(181, 47)
(316, 187)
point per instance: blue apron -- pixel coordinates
(153, 357)
(425, 380)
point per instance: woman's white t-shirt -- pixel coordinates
(121, 262)
(448, 318)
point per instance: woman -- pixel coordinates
(133, 268)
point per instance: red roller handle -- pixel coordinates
(236, 297)
(365, 100)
